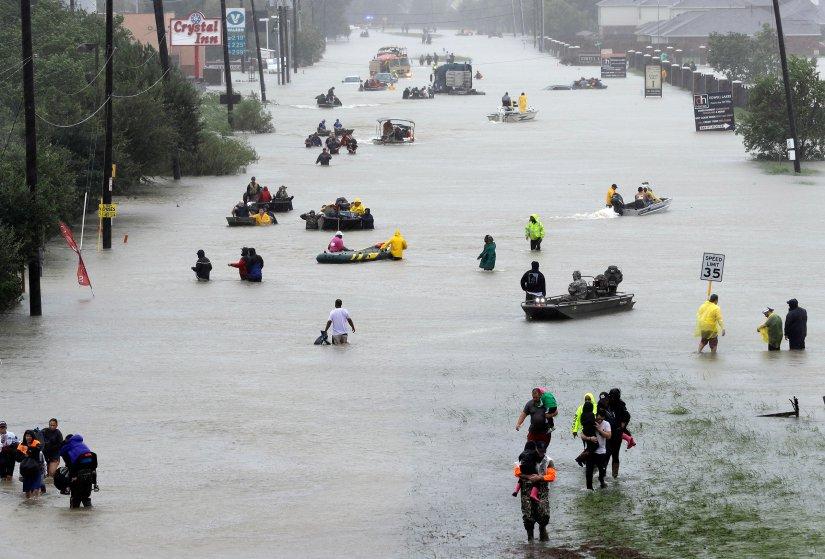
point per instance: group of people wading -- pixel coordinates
(600, 424)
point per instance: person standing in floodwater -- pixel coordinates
(541, 418)
(796, 325)
(534, 232)
(598, 458)
(709, 324)
(771, 330)
(537, 511)
(488, 254)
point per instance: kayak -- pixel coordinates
(353, 256)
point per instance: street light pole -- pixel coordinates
(788, 99)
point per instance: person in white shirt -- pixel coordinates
(8, 451)
(338, 319)
(598, 458)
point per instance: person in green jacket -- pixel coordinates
(771, 330)
(534, 232)
(577, 417)
(488, 255)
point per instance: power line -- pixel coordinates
(97, 110)
(115, 96)
(11, 130)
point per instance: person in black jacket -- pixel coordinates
(532, 282)
(52, 441)
(367, 221)
(202, 267)
(796, 325)
(323, 158)
(618, 423)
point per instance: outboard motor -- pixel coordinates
(600, 285)
(614, 277)
(618, 203)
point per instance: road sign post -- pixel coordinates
(653, 80)
(713, 268)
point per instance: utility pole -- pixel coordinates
(258, 52)
(281, 56)
(287, 49)
(513, 9)
(541, 39)
(227, 72)
(107, 151)
(521, 9)
(35, 307)
(788, 99)
(243, 54)
(160, 27)
(296, 27)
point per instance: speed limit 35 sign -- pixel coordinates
(713, 266)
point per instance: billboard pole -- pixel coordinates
(227, 72)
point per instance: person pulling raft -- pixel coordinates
(80, 471)
(396, 245)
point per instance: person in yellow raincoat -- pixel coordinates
(709, 324)
(534, 232)
(608, 199)
(577, 417)
(396, 245)
(522, 103)
(357, 207)
(262, 218)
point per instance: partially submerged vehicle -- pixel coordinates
(454, 79)
(369, 254)
(386, 77)
(600, 297)
(392, 131)
(391, 59)
(512, 115)
(351, 79)
(639, 207)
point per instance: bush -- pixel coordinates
(11, 262)
(764, 127)
(218, 155)
(250, 115)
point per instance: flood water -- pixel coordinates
(223, 432)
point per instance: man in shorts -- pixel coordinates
(338, 319)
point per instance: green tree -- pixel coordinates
(764, 127)
(744, 58)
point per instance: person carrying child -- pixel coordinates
(535, 495)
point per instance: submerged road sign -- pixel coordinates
(653, 80)
(713, 111)
(614, 66)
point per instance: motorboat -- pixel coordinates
(394, 131)
(638, 207)
(513, 115)
(575, 85)
(369, 254)
(276, 205)
(583, 299)
(416, 93)
(372, 85)
(561, 307)
(321, 101)
(233, 221)
(338, 131)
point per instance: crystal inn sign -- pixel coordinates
(195, 30)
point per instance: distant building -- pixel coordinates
(687, 24)
(142, 27)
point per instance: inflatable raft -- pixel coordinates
(368, 254)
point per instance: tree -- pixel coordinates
(744, 58)
(764, 127)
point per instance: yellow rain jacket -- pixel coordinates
(357, 207)
(535, 230)
(709, 321)
(608, 199)
(652, 195)
(396, 244)
(577, 417)
(262, 219)
(522, 103)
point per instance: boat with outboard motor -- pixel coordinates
(233, 221)
(600, 297)
(369, 254)
(394, 131)
(513, 115)
(639, 207)
(323, 103)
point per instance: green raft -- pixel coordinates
(353, 256)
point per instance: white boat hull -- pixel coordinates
(513, 116)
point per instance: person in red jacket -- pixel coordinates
(242, 264)
(266, 196)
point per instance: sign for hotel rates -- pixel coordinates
(195, 30)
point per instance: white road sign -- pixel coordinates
(713, 265)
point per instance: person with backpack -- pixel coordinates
(532, 282)
(32, 464)
(82, 465)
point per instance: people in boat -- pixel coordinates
(608, 199)
(253, 191)
(311, 218)
(337, 125)
(396, 245)
(487, 257)
(398, 134)
(323, 158)
(266, 195)
(641, 198)
(578, 287)
(331, 95)
(367, 221)
(334, 145)
(534, 232)
(771, 330)
(336, 243)
(651, 196)
(357, 207)
(242, 263)
(322, 126)
(240, 210)
(386, 129)
(406, 93)
(282, 194)
(506, 102)
(522, 103)
(202, 267)
(262, 217)
(255, 266)
(352, 146)
(532, 282)
(478, 75)
(313, 140)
